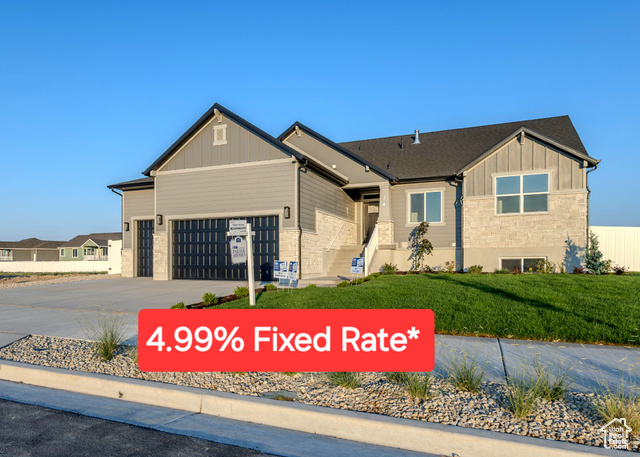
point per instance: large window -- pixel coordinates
(425, 206)
(522, 193)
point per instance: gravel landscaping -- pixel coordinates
(11, 281)
(572, 419)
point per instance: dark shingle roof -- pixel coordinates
(101, 239)
(142, 183)
(30, 243)
(443, 153)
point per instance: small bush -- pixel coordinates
(290, 373)
(107, 334)
(210, 299)
(427, 269)
(399, 377)
(178, 306)
(465, 374)
(241, 292)
(561, 268)
(449, 266)
(578, 270)
(418, 385)
(613, 405)
(311, 286)
(550, 385)
(355, 282)
(515, 271)
(344, 284)
(389, 269)
(270, 287)
(502, 271)
(375, 275)
(545, 267)
(345, 379)
(618, 270)
(520, 397)
(368, 278)
(475, 269)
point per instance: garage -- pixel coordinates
(201, 249)
(145, 248)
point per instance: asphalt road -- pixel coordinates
(28, 430)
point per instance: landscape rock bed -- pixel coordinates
(572, 419)
(11, 281)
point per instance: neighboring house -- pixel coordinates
(30, 249)
(94, 246)
(501, 196)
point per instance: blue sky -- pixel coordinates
(93, 93)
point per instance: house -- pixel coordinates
(94, 246)
(500, 196)
(29, 249)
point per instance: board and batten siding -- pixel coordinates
(441, 236)
(244, 190)
(317, 192)
(566, 172)
(242, 146)
(135, 204)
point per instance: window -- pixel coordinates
(524, 264)
(219, 134)
(522, 193)
(74, 253)
(425, 206)
(61, 252)
(89, 251)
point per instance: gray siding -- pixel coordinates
(566, 171)
(242, 146)
(252, 190)
(329, 156)
(135, 203)
(318, 192)
(441, 236)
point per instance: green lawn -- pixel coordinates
(574, 308)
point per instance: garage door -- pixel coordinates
(201, 249)
(145, 248)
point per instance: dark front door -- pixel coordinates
(371, 210)
(145, 248)
(201, 249)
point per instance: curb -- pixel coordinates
(349, 425)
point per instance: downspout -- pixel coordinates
(595, 167)
(460, 179)
(299, 225)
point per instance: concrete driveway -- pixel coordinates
(61, 309)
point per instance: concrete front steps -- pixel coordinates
(341, 263)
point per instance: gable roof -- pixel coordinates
(206, 117)
(30, 243)
(337, 147)
(445, 153)
(136, 184)
(101, 239)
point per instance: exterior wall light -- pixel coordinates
(287, 212)
(126, 226)
(159, 219)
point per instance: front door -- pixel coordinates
(370, 219)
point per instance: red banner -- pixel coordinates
(286, 340)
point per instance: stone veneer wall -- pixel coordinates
(161, 256)
(548, 233)
(386, 233)
(315, 244)
(288, 245)
(127, 263)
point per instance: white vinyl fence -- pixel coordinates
(621, 245)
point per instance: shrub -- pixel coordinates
(399, 377)
(107, 334)
(241, 292)
(618, 270)
(578, 270)
(357, 281)
(550, 385)
(178, 306)
(449, 266)
(475, 269)
(344, 284)
(210, 299)
(520, 397)
(515, 271)
(427, 269)
(545, 267)
(561, 268)
(345, 379)
(375, 275)
(419, 245)
(369, 278)
(594, 263)
(502, 271)
(290, 373)
(311, 286)
(418, 385)
(270, 287)
(465, 374)
(389, 269)
(613, 405)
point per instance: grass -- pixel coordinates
(399, 377)
(616, 405)
(465, 373)
(345, 379)
(551, 383)
(572, 308)
(521, 395)
(107, 333)
(418, 385)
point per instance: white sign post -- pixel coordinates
(241, 245)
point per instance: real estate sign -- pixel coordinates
(293, 271)
(238, 227)
(357, 265)
(280, 270)
(238, 246)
